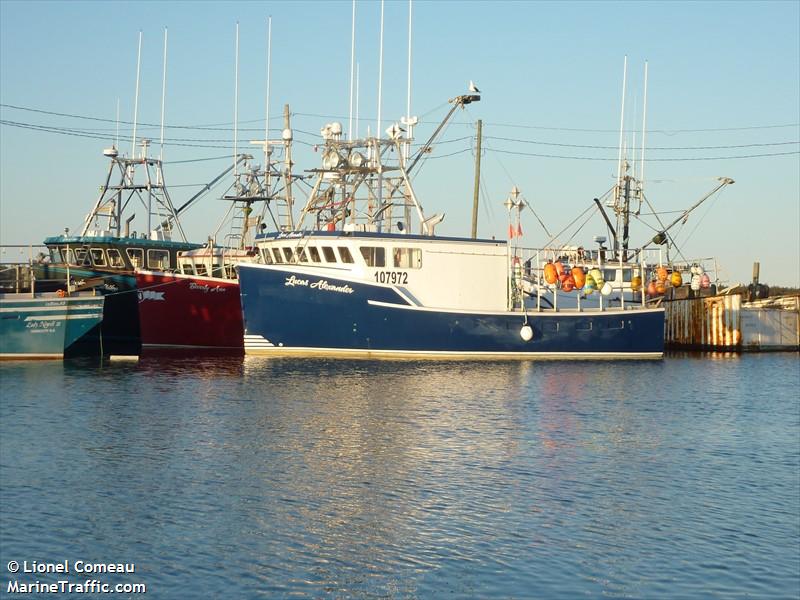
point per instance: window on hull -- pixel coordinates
(136, 256)
(115, 258)
(374, 256)
(327, 252)
(158, 259)
(408, 258)
(344, 254)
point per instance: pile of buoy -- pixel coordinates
(576, 278)
(699, 278)
(663, 278)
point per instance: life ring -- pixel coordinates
(61, 293)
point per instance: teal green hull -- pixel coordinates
(44, 325)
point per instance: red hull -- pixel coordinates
(182, 311)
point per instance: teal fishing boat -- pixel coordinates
(46, 324)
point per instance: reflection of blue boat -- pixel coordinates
(46, 324)
(356, 279)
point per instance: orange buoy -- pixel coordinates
(568, 284)
(651, 289)
(550, 274)
(559, 268)
(675, 279)
(636, 283)
(660, 288)
(661, 274)
(579, 276)
(61, 293)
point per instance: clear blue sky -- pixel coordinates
(724, 87)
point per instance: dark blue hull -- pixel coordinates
(119, 331)
(356, 317)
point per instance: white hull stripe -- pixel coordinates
(257, 341)
(439, 354)
(529, 313)
(5, 356)
(60, 307)
(63, 317)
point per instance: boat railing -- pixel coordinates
(600, 278)
(19, 266)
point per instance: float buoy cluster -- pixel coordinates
(699, 278)
(663, 279)
(576, 278)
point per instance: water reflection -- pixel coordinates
(278, 477)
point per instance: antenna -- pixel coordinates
(644, 131)
(163, 97)
(236, 104)
(408, 98)
(266, 120)
(352, 64)
(380, 74)
(622, 122)
(136, 101)
(358, 70)
(116, 143)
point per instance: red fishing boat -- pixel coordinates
(195, 307)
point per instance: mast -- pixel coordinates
(644, 132)
(618, 188)
(136, 101)
(163, 98)
(266, 118)
(236, 104)
(352, 66)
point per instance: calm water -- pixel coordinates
(251, 478)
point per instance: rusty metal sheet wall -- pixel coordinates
(713, 322)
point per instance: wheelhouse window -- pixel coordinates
(136, 256)
(56, 255)
(374, 256)
(277, 254)
(344, 254)
(288, 254)
(158, 259)
(187, 268)
(408, 258)
(82, 257)
(266, 256)
(314, 254)
(98, 257)
(327, 252)
(201, 270)
(301, 255)
(115, 258)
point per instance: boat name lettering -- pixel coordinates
(320, 284)
(205, 288)
(43, 325)
(150, 295)
(111, 287)
(292, 281)
(391, 277)
(288, 236)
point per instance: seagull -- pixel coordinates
(473, 88)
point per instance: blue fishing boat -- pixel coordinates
(360, 277)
